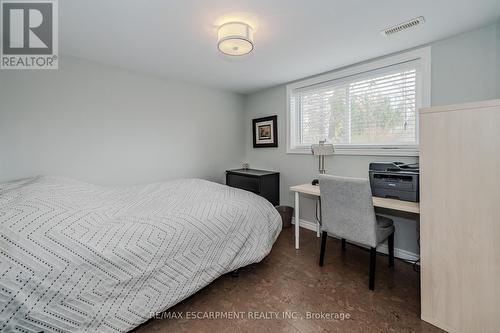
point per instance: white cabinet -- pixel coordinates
(460, 216)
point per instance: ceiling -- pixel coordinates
(294, 38)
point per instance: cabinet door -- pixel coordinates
(460, 220)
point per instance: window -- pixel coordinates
(367, 109)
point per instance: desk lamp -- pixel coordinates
(322, 149)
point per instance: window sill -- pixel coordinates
(411, 152)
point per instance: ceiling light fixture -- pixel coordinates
(235, 38)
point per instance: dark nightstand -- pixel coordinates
(261, 182)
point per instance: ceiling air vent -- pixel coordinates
(403, 26)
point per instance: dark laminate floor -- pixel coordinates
(291, 281)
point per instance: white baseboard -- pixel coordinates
(306, 224)
(382, 248)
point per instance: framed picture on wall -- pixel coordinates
(265, 132)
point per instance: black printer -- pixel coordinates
(395, 180)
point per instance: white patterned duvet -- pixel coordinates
(81, 257)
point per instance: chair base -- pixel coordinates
(390, 243)
(324, 235)
(373, 260)
(373, 256)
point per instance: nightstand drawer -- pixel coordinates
(261, 182)
(245, 183)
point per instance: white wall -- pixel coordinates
(466, 67)
(463, 69)
(110, 126)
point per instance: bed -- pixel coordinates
(76, 257)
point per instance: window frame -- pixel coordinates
(423, 99)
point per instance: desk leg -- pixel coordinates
(297, 219)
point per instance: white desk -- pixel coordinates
(394, 204)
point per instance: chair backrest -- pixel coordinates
(347, 209)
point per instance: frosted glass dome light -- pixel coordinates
(235, 38)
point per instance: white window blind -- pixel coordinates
(377, 108)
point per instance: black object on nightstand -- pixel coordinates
(261, 182)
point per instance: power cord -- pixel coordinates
(416, 266)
